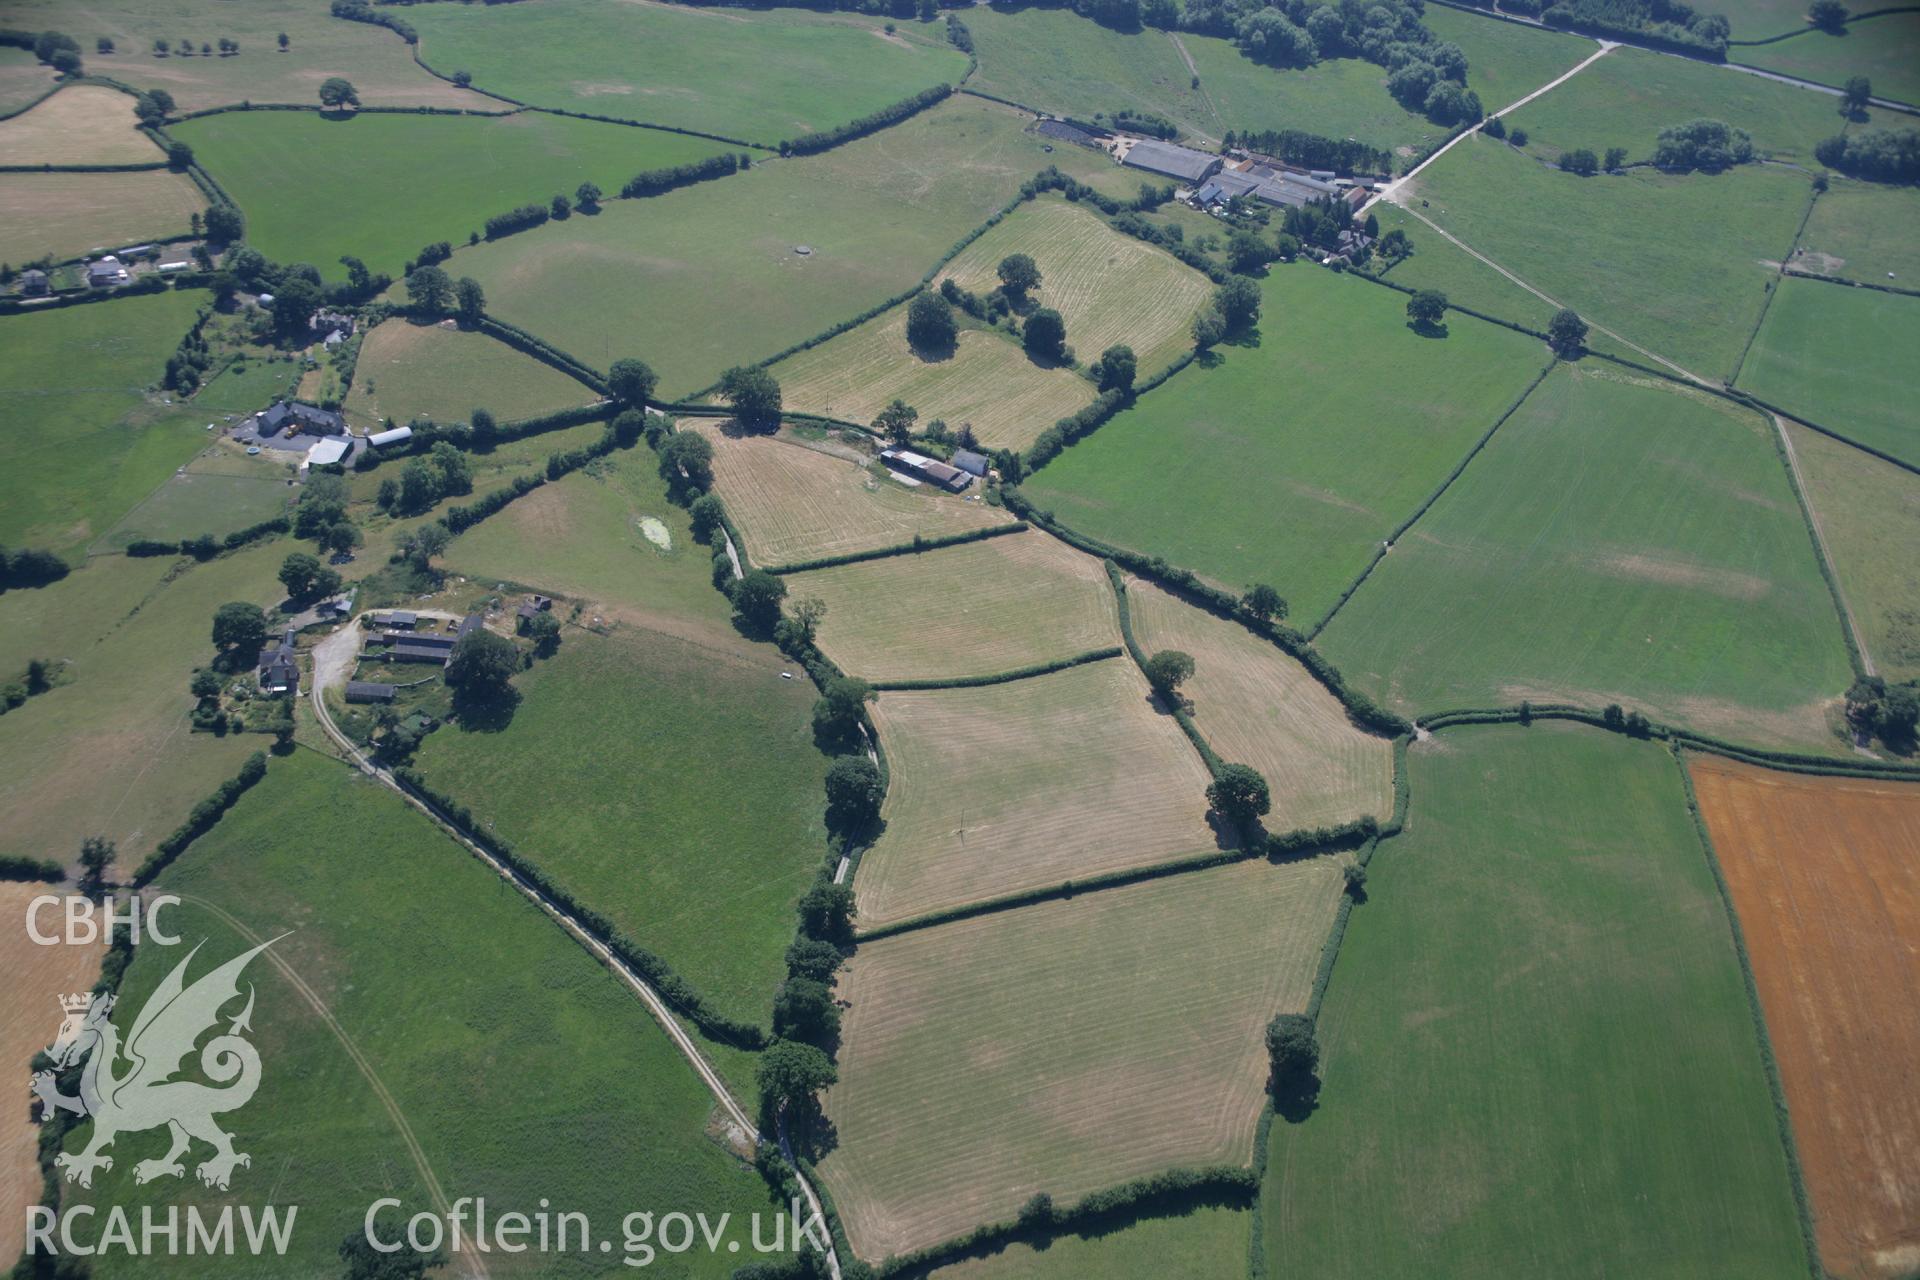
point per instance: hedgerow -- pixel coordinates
(1002, 677)
(653, 182)
(918, 545)
(202, 819)
(813, 143)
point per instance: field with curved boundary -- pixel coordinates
(81, 124)
(23, 77)
(1064, 1047)
(408, 370)
(1825, 873)
(796, 503)
(1256, 705)
(1537, 1053)
(977, 609)
(1885, 49)
(66, 215)
(1620, 540)
(1029, 784)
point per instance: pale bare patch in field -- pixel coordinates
(68, 214)
(81, 124)
(794, 503)
(1018, 786)
(1064, 1047)
(1681, 573)
(1257, 706)
(978, 609)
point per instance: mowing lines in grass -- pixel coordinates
(1256, 705)
(972, 610)
(408, 371)
(1064, 1047)
(81, 124)
(1537, 1047)
(1825, 873)
(68, 215)
(1023, 785)
(1620, 540)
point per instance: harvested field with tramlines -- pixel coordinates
(796, 503)
(986, 607)
(1109, 287)
(1064, 1047)
(1256, 705)
(1825, 873)
(987, 382)
(1019, 786)
(64, 215)
(81, 124)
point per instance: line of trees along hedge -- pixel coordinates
(654, 182)
(540, 349)
(808, 144)
(205, 814)
(674, 989)
(1660, 24)
(427, 433)
(524, 218)
(360, 11)
(1296, 146)
(206, 546)
(1000, 677)
(50, 167)
(918, 545)
(14, 866)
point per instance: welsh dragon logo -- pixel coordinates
(130, 1087)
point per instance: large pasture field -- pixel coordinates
(81, 124)
(1869, 511)
(1862, 231)
(985, 607)
(438, 177)
(66, 215)
(1028, 784)
(1618, 541)
(1064, 1047)
(1255, 705)
(796, 503)
(707, 277)
(756, 76)
(1843, 358)
(1624, 250)
(1825, 873)
(1537, 1052)
(1884, 48)
(408, 370)
(522, 1069)
(1289, 461)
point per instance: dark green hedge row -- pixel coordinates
(14, 866)
(362, 111)
(1077, 427)
(1840, 613)
(1000, 677)
(1748, 398)
(523, 218)
(31, 103)
(918, 545)
(462, 518)
(202, 819)
(1208, 755)
(542, 350)
(1380, 552)
(644, 124)
(191, 546)
(1490, 318)
(360, 11)
(1296, 146)
(674, 989)
(1563, 17)
(808, 144)
(144, 167)
(1850, 284)
(655, 182)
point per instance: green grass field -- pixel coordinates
(1885, 49)
(1860, 231)
(707, 277)
(68, 215)
(22, 78)
(1619, 540)
(408, 370)
(1204, 1244)
(85, 441)
(438, 177)
(759, 77)
(1758, 19)
(1844, 358)
(1438, 264)
(191, 503)
(1627, 97)
(1506, 62)
(1290, 461)
(1627, 252)
(435, 972)
(1537, 1054)
(1870, 513)
(1077, 1043)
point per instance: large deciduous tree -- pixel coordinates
(755, 397)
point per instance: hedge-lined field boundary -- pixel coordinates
(15, 866)
(1766, 306)
(1842, 614)
(999, 677)
(1208, 756)
(915, 547)
(1803, 1205)
(202, 819)
(1845, 283)
(545, 352)
(233, 541)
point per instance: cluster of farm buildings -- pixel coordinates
(106, 271)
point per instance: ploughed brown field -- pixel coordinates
(1825, 874)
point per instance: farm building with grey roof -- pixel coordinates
(1171, 161)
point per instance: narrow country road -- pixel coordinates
(336, 670)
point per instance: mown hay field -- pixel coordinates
(979, 609)
(756, 76)
(1288, 462)
(795, 503)
(1825, 874)
(1619, 540)
(1064, 1047)
(708, 277)
(1256, 705)
(81, 124)
(1624, 250)
(1537, 1052)
(1869, 511)
(438, 177)
(458, 995)
(1861, 231)
(986, 383)
(1019, 786)
(408, 370)
(1843, 358)
(66, 215)
(1885, 48)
